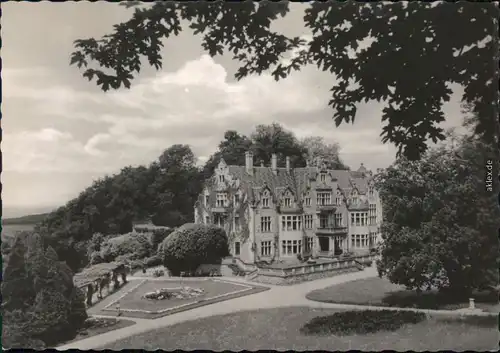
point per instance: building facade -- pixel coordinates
(278, 213)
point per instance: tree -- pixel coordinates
(273, 138)
(164, 191)
(178, 182)
(317, 149)
(17, 286)
(46, 307)
(427, 44)
(440, 220)
(232, 149)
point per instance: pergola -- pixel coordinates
(96, 274)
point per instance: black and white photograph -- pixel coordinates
(244, 175)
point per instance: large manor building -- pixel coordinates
(278, 213)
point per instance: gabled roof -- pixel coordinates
(296, 179)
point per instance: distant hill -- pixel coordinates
(29, 219)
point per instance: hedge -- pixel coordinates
(361, 322)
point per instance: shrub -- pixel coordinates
(361, 322)
(158, 273)
(367, 263)
(155, 260)
(192, 245)
(96, 258)
(133, 245)
(159, 235)
(347, 254)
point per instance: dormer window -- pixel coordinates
(322, 177)
(307, 201)
(207, 200)
(324, 198)
(338, 198)
(221, 178)
(287, 202)
(265, 201)
(236, 199)
(221, 200)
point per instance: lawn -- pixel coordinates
(134, 305)
(279, 329)
(381, 292)
(97, 326)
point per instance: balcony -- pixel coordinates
(331, 230)
(327, 207)
(219, 209)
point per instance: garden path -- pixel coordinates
(276, 296)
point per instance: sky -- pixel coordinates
(60, 132)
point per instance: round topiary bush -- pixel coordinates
(361, 322)
(192, 245)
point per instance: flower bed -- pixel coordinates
(177, 293)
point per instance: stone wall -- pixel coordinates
(309, 272)
(265, 279)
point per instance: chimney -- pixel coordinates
(249, 162)
(274, 163)
(288, 164)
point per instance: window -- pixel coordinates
(236, 199)
(207, 220)
(338, 200)
(287, 202)
(207, 200)
(265, 201)
(219, 220)
(265, 248)
(373, 214)
(307, 201)
(322, 177)
(309, 244)
(308, 221)
(237, 224)
(324, 222)
(265, 224)
(324, 198)
(221, 200)
(362, 240)
(370, 191)
(291, 247)
(237, 248)
(291, 222)
(364, 219)
(359, 218)
(338, 219)
(221, 178)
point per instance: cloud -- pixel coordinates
(193, 105)
(89, 131)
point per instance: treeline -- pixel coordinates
(165, 191)
(29, 219)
